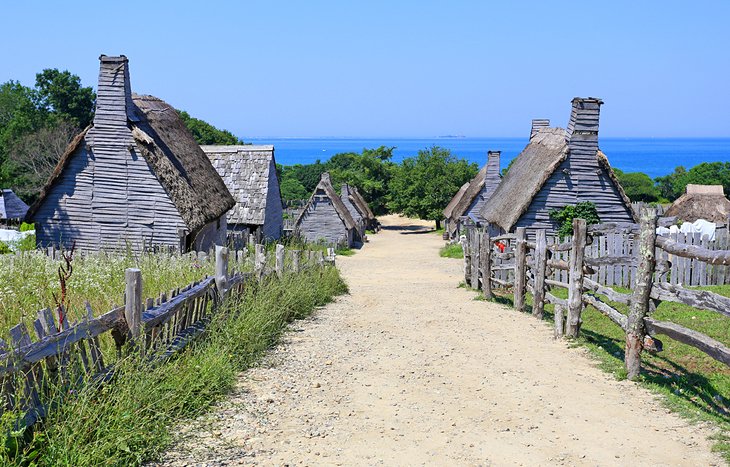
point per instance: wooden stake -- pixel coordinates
(133, 303)
(538, 301)
(279, 265)
(639, 305)
(221, 270)
(485, 256)
(575, 279)
(520, 269)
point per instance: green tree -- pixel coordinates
(292, 189)
(673, 186)
(421, 186)
(63, 96)
(205, 133)
(369, 171)
(638, 186)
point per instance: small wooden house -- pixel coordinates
(477, 192)
(706, 202)
(326, 219)
(134, 178)
(249, 172)
(358, 207)
(12, 208)
(558, 168)
(449, 228)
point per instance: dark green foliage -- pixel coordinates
(370, 172)
(205, 133)
(61, 93)
(638, 186)
(564, 217)
(673, 186)
(423, 185)
(4, 248)
(26, 227)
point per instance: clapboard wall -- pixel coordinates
(491, 182)
(321, 223)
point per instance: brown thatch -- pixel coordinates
(455, 200)
(530, 170)
(325, 185)
(62, 162)
(706, 202)
(364, 204)
(182, 167)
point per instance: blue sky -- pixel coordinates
(396, 68)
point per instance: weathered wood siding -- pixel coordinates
(320, 222)
(107, 198)
(274, 214)
(491, 182)
(213, 233)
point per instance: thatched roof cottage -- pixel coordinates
(357, 206)
(706, 202)
(135, 177)
(326, 219)
(477, 192)
(249, 172)
(12, 208)
(558, 168)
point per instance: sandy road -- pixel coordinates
(410, 370)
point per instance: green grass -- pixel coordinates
(28, 281)
(129, 421)
(345, 252)
(693, 384)
(452, 250)
(439, 231)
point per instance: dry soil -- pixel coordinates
(408, 369)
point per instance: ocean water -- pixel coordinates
(653, 156)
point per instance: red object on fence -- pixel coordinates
(500, 245)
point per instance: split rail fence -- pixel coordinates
(538, 266)
(69, 355)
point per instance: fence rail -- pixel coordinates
(69, 355)
(649, 262)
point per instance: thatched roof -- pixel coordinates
(488, 176)
(701, 202)
(455, 200)
(325, 187)
(11, 207)
(364, 204)
(532, 167)
(245, 170)
(546, 150)
(184, 170)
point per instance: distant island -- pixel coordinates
(452, 136)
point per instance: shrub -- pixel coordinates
(26, 227)
(564, 217)
(5, 248)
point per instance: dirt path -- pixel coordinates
(410, 370)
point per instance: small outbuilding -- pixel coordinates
(558, 167)
(706, 202)
(12, 208)
(449, 229)
(477, 192)
(326, 219)
(249, 172)
(135, 178)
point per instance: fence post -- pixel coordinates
(575, 285)
(466, 247)
(475, 257)
(221, 270)
(485, 255)
(295, 258)
(279, 265)
(639, 305)
(520, 269)
(133, 301)
(331, 255)
(259, 260)
(538, 301)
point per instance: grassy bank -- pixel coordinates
(129, 421)
(691, 383)
(452, 250)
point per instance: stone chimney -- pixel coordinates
(326, 177)
(538, 124)
(582, 132)
(114, 94)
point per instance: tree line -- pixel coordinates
(37, 123)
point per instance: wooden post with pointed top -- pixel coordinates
(485, 256)
(133, 301)
(221, 270)
(575, 283)
(520, 268)
(279, 264)
(541, 253)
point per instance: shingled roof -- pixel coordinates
(706, 202)
(11, 207)
(245, 171)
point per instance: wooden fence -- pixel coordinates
(538, 266)
(68, 355)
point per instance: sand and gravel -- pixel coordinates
(408, 369)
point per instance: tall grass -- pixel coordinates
(129, 421)
(451, 250)
(29, 280)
